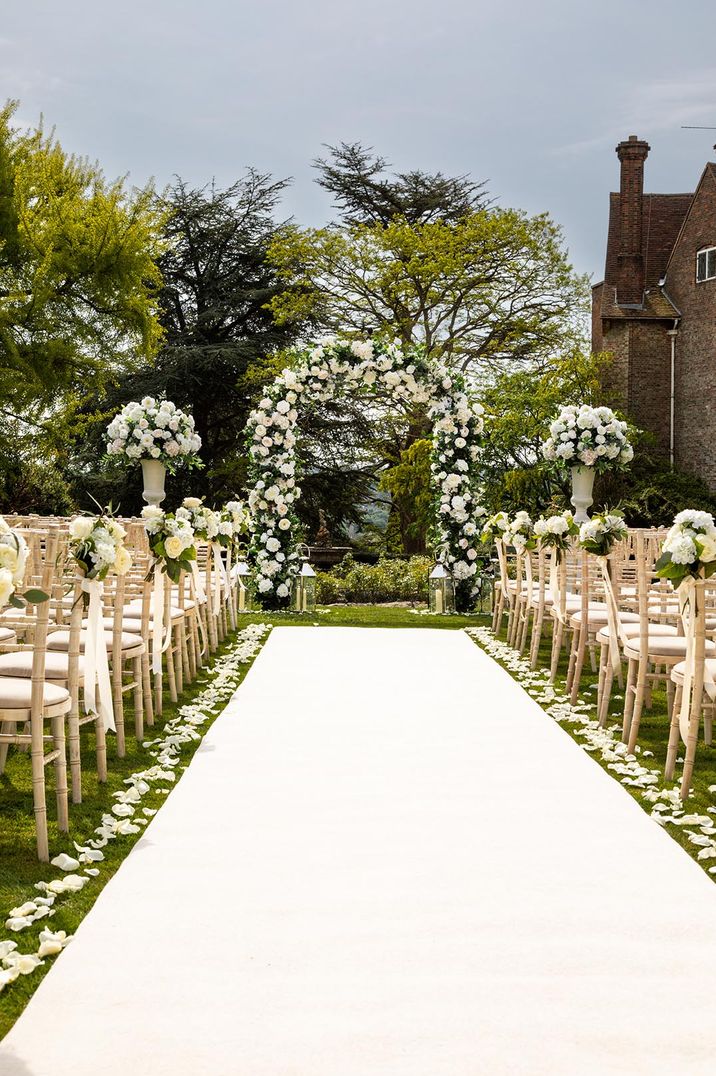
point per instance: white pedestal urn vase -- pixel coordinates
(582, 489)
(154, 474)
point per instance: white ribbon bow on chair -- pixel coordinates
(96, 664)
(160, 638)
(688, 595)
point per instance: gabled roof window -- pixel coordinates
(706, 265)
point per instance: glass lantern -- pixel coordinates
(242, 573)
(442, 590)
(304, 585)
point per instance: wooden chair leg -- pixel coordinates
(171, 674)
(629, 699)
(75, 753)
(138, 699)
(573, 647)
(536, 636)
(578, 666)
(58, 741)
(674, 735)
(147, 700)
(606, 695)
(639, 697)
(557, 634)
(6, 727)
(101, 750)
(37, 759)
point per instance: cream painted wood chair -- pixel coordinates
(649, 652)
(28, 707)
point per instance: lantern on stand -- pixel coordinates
(442, 590)
(304, 585)
(242, 574)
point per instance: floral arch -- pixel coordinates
(324, 372)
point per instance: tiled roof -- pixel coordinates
(657, 304)
(662, 219)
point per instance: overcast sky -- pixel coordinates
(531, 95)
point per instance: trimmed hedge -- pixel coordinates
(390, 580)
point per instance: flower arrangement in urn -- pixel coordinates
(159, 436)
(588, 440)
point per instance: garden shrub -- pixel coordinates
(389, 580)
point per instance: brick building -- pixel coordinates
(655, 310)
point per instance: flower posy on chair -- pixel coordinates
(689, 548)
(13, 562)
(97, 544)
(602, 533)
(171, 541)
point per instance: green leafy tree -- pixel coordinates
(219, 337)
(366, 193)
(78, 287)
(493, 287)
(409, 484)
(78, 274)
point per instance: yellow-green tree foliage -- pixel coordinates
(493, 285)
(78, 277)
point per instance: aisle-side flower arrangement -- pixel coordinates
(689, 548)
(233, 524)
(556, 532)
(494, 527)
(585, 436)
(519, 534)
(13, 562)
(602, 533)
(97, 545)
(171, 541)
(203, 521)
(157, 430)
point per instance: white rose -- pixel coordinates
(7, 586)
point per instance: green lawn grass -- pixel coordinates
(19, 867)
(653, 737)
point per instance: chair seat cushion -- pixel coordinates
(666, 646)
(7, 635)
(60, 640)
(16, 694)
(677, 673)
(129, 625)
(596, 617)
(56, 664)
(631, 630)
(133, 611)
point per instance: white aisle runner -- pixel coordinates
(385, 860)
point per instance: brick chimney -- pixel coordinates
(630, 259)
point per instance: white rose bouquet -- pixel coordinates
(689, 548)
(157, 430)
(171, 540)
(13, 562)
(587, 436)
(602, 532)
(203, 521)
(233, 523)
(495, 527)
(556, 532)
(97, 545)
(520, 533)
